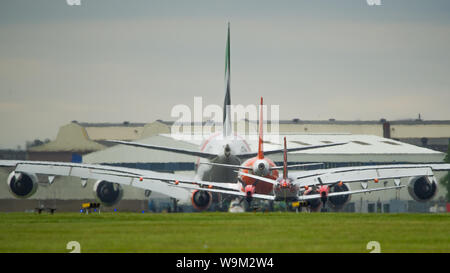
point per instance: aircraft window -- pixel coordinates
(360, 142)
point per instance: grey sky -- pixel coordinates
(111, 61)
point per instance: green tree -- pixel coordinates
(445, 181)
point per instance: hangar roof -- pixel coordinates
(71, 138)
(361, 148)
(123, 131)
(347, 122)
(86, 137)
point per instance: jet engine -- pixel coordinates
(338, 202)
(108, 193)
(261, 167)
(422, 188)
(201, 200)
(22, 185)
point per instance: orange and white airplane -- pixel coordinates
(221, 154)
(262, 166)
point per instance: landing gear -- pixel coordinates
(250, 205)
(175, 204)
(324, 199)
(249, 199)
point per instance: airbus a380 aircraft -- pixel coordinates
(228, 149)
(220, 151)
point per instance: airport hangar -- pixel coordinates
(85, 141)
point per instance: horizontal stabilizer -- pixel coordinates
(168, 149)
(235, 167)
(238, 167)
(296, 166)
(279, 151)
(257, 177)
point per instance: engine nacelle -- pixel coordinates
(201, 200)
(22, 185)
(108, 193)
(338, 202)
(261, 167)
(422, 188)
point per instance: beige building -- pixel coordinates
(77, 139)
(72, 140)
(84, 138)
(433, 134)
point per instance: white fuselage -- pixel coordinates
(226, 149)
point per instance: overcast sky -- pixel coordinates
(114, 61)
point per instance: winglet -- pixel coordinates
(261, 122)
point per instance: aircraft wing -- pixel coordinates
(167, 149)
(148, 180)
(231, 192)
(365, 173)
(300, 198)
(317, 196)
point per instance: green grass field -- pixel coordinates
(224, 232)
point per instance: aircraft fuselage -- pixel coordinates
(226, 149)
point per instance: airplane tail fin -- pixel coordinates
(260, 140)
(285, 166)
(227, 128)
